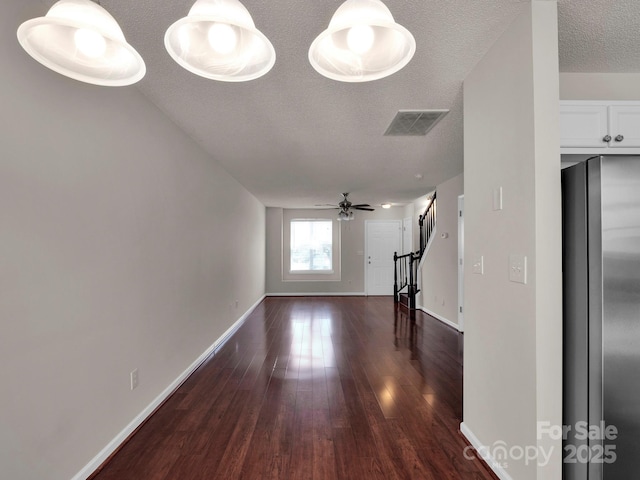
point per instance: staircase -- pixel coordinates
(405, 275)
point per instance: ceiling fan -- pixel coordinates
(346, 208)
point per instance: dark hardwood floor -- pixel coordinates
(313, 388)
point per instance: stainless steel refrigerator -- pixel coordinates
(601, 270)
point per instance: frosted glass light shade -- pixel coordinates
(81, 40)
(218, 40)
(344, 216)
(362, 43)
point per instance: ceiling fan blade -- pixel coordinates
(364, 208)
(325, 205)
(361, 205)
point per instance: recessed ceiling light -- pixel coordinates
(418, 176)
(386, 205)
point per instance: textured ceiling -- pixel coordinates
(295, 139)
(599, 35)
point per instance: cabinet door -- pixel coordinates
(624, 122)
(583, 125)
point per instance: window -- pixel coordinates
(311, 249)
(311, 246)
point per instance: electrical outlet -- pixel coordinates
(133, 376)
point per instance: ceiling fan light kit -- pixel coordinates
(81, 40)
(216, 40)
(345, 216)
(346, 208)
(362, 43)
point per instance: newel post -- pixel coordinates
(395, 277)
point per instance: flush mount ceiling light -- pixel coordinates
(81, 40)
(362, 43)
(218, 40)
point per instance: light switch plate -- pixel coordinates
(133, 377)
(518, 268)
(497, 198)
(478, 265)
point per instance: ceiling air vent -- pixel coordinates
(414, 122)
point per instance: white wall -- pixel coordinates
(600, 86)
(439, 288)
(122, 246)
(513, 332)
(352, 239)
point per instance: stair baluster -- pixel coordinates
(407, 264)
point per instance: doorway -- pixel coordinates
(461, 263)
(407, 235)
(382, 239)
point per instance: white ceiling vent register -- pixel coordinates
(414, 122)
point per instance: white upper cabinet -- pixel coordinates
(624, 125)
(583, 125)
(599, 127)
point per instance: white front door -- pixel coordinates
(382, 239)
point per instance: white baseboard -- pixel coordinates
(111, 447)
(441, 318)
(316, 294)
(490, 461)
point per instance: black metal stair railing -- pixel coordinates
(427, 223)
(405, 274)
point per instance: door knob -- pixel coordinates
(619, 138)
(607, 138)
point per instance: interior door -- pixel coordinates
(407, 235)
(382, 239)
(461, 262)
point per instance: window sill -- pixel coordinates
(311, 272)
